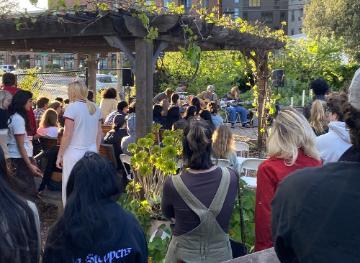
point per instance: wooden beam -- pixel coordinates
(116, 42)
(144, 86)
(92, 68)
(162, 46)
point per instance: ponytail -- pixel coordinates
(197, 145)
(91, 106)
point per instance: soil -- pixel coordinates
(48, 215)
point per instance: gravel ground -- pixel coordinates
(48, 215)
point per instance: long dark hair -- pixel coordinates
(172, 116)
(92, 181)
(206, 115)
(19, 240)
(190, 112)
(196, 102)
(18, 103)
(197, 145)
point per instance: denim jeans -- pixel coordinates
(233, 110)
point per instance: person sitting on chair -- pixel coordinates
(234, 97)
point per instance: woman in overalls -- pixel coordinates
(82, 131)
(200, 200)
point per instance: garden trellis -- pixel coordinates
(124, 30)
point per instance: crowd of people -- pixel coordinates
(306, 195)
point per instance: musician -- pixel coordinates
(234, 108)
(208, 95)
(162, 96)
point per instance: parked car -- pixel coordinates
(7, 68)
(104, 81)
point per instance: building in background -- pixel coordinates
(270, 12)
(296, 14)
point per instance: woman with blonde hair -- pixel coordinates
(223, 146)
(82, 131)
(318, 119)
(48, 125)
(291, 146)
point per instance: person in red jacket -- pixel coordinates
(9, 84)
(291, 146)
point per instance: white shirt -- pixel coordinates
(17, 127)
(85, 124)
(333, 144)
(49, 131)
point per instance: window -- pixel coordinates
(254, 3)
(283, 16)
(267, 17)
(236, 1)
(292, 32)
(188, 3)
(236, 12)
(166, 3)
(292, 15)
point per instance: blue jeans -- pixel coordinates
(233, 110)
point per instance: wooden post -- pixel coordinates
(119, 87)
(264, 94)
(144, 86)
(92, 69)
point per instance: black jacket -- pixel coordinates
(316, 213)
(121, 241)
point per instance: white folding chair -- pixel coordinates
(250, 164)
(242, 149)
(125, 159)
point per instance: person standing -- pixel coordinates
(291, 146)
(316, 211)
(20, 144)
(318, 119)
(94, 227)
(320, 88)
(334, 143)
(9, 84)
(200, 200)
(82, 131)
(20, 225)
(108, 103)
(5, 101)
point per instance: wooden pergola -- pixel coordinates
(91, 33)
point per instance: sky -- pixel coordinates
(25, 4)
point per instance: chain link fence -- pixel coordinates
(48, 84)
(54, 84)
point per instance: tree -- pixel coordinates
(220, 68)
(8, 7)
(338, 17)
(308, 59)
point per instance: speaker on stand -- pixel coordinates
(127, 81)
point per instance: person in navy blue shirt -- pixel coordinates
(94, 228)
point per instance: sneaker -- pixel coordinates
(246, 125)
